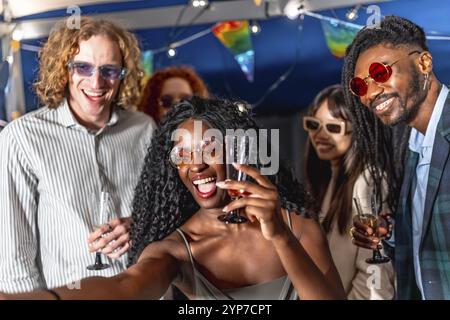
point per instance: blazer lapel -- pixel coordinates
(441, 148)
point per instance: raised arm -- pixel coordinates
(149, 278)
(313, 244)
(307, 262)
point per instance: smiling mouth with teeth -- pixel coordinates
(206, 187)
(204, 181)
(383, 106)
(94, 94)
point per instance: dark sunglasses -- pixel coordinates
(167, 100)
(378, 71)
(107, 71)
(312, 124)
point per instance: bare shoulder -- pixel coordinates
(171, 246)
(159, 265)
(162, 259)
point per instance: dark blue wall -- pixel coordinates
(277, 47)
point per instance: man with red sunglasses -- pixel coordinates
(388, 71)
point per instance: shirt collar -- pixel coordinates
(114, 116)
(65, 115)
(68, 120)
(418, 141)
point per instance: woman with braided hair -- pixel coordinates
(177, 238)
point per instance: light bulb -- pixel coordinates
(293, 9)
(255, 28)
(17, 35)
(199, 3)
(353, 13)
(171, 52)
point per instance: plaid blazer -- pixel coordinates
(434, 251)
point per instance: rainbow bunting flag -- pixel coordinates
(235, 36)
(338, 35)
(147, 64)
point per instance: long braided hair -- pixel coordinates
(162, 203)
(377, 145)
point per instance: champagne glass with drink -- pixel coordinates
(102, 212)
(369, 215)
(237, 149)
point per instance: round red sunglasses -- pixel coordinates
(378, 71)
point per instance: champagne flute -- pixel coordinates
(102, 214)
(368, 214)
(236, 148)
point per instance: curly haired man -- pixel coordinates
(58, 159)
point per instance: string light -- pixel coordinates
(293, 9)
(207, 31)
(171, 52)
(199, 3)
(17, 35)
(254, 27)
(353, 13)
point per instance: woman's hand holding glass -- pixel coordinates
(261, 204)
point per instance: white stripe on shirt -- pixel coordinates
(50, 169)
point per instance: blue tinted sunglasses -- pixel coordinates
(107, 71)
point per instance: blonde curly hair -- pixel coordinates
(63, 44)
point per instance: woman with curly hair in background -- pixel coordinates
(169, 86)
(280, 253)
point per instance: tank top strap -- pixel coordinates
(188, 247)
(288, 215)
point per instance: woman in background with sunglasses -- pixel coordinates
(169, 86)
(334, 179)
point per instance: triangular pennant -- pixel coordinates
(235, 35)
(147, 64)
(338, 35)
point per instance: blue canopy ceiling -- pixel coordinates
(281, 44)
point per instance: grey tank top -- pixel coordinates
(277, 289)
